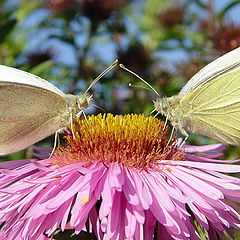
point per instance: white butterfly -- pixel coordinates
(209, 104)
(32, 109)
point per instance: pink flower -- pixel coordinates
(126, 180)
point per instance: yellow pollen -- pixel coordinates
(132, 140)
(84, 200)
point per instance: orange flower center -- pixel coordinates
(132, 140)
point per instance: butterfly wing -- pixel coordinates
(30, 109)
(214, 69)
(13, 75)
(213, 109)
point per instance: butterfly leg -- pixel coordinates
(85, 117)
(71, 123)
(82, 113)
(56, 139)
(185, 134)
(165, 124)
(184, 141)
(79, 114)
(171, 136)
(154, 110)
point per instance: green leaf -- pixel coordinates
(43, 69)
(5, 28)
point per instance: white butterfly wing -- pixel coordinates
(30, 109)
(214, 69)
(214, 109)
(13, 75)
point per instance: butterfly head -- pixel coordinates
(84, 100)
(161, 105)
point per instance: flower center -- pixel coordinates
(132, 140)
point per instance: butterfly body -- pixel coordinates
(170, 107)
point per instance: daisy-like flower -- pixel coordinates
(121, 178)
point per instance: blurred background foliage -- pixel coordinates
(70, 42)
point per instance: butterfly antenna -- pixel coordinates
(126, 69)
(98, 107)
(113, 65)
(138, 86)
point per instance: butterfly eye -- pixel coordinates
(82, 102)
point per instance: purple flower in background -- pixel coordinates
(127, 180)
